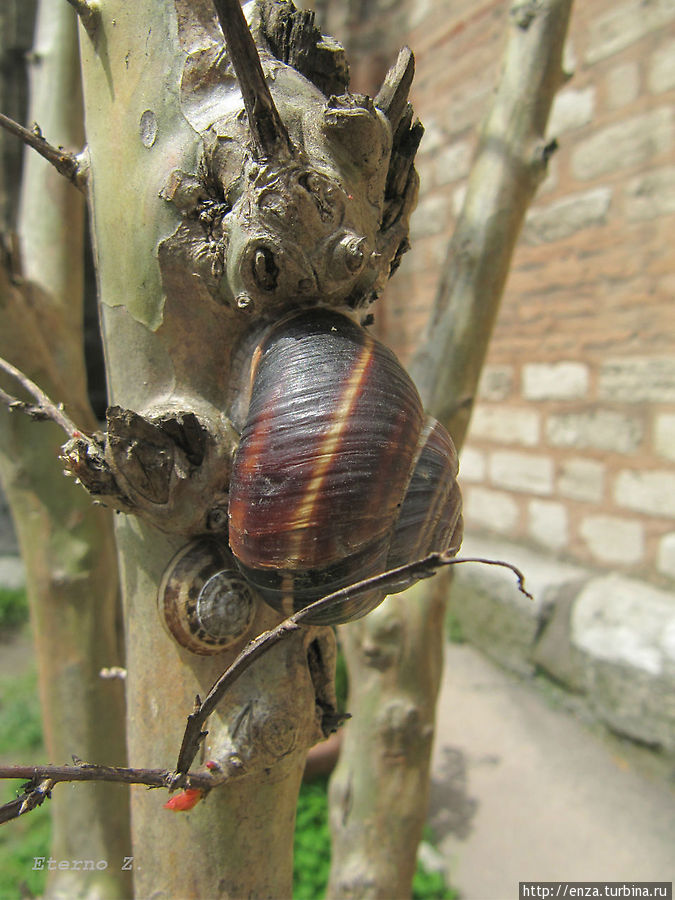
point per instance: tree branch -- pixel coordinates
(391, 582)
(65, 163)
(44, 409)
(41, 780)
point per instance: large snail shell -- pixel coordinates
(337, 471)
(203, 599)
(430, 517)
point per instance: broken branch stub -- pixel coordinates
(269, 134)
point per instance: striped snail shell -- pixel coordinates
(203, 599)
(339, 474)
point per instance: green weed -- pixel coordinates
(311, 864)
(13, 608)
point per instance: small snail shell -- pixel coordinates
(203, 599)
(338, 474)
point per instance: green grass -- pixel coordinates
(453, 628)
(20, 842)
(27, 837)
(311, 863)
(13, 609)
(311, 851)
(20, 726)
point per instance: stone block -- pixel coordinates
(624, 24)
(625, 633)
(12, 572)
(600, 429)
(664, 435)
(472, 465)
(582, 479)
(544, 224)
(666, 557)
(505, 425)
(452, 162)
(623, 84)
(431, 217)
(613, 540)
(651, 492)
(571, 109)
(555, 381)
(491, 509)
(522, 472)
(624, 145)
(651, 194)
(492, 612)
(553, 651)
(638, 379)
(661, 75)
(496, 382)
(547, 523)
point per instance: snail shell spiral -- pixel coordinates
(204, 601)
(339, 474)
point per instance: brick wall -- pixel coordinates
(572, 446)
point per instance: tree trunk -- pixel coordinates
(66, 543)
(380, 787)
(168, 346)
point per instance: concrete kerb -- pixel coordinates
(606, 638)
(12, 572)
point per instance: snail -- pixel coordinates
(204, 601)
(338, 476)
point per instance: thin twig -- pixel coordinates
(65, 163)
(392, 581)
(45, 408)
(41, 779)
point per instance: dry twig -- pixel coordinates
(41, 779)
(392, 581)
(65, 163)
(43, 409)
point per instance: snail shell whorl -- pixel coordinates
(430, 516)
(334, 437)
(204, 601)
